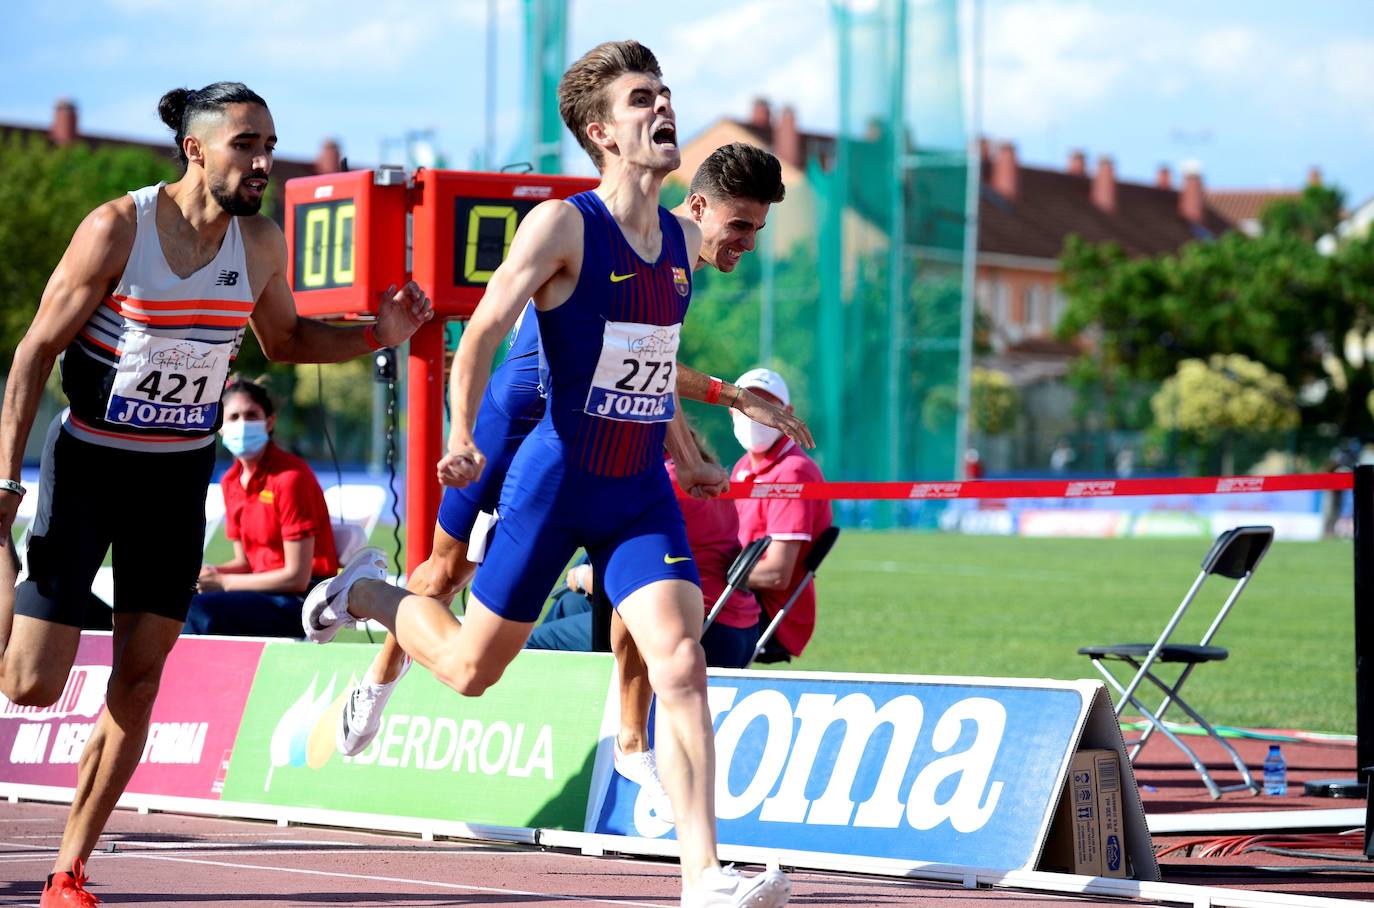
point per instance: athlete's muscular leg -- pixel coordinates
(440, 576)
(635, 690)
(141, 644)
(9, 576)
(665, 620)
(35, 656)
(468, 657)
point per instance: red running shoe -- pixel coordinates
(68, 890)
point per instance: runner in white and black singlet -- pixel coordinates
(147, 309)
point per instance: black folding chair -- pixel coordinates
(812, 562)
(738, 575)
(1235, 555)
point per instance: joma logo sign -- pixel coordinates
(793, 744)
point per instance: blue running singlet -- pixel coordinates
(591, 473)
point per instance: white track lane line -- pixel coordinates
(391, 879)
(39, 853)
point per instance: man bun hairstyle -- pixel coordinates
(180, 107)
(582, 90)
(739, 170)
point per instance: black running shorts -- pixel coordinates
(149, 507)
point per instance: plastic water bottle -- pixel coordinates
(1275, 772)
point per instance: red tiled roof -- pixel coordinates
(813, 144)
(1052, 206)
(1237, 205)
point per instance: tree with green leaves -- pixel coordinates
(1274, 299)
(45, 192)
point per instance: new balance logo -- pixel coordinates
(227, 279)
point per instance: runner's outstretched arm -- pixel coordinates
(547, 245)
(89, 269)
(694, 385)
(288, 337)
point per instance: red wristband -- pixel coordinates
(713, 390)
(370, 335)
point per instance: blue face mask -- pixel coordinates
(245, 437)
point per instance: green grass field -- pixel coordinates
(909, 603)
(1016, 607)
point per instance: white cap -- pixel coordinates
(765, 380)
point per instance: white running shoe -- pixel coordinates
(361, 716)
(325, 611)
(726, 887)
(642, 769)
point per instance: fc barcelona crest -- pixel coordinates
(681, 282)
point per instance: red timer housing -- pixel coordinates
(345, 241)
(463, 226)
(351, 235)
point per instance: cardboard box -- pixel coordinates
(1111, 827)
(1087, 835)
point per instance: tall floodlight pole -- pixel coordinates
(489, 145)
(545, 53)
(973, 176)
(831, 341)
(896, 253)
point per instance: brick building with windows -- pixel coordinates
(1026, 214)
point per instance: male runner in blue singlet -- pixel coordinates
(729, 199)
(610, 275)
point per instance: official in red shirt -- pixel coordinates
(794, 524)
(276, 518)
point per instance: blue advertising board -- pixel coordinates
(951, 770)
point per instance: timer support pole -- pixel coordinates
(425, 439)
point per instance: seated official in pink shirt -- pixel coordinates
(794, 524)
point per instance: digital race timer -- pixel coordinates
(345, 242)
(346, 235)
(463, 226)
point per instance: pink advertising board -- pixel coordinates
(204, 688)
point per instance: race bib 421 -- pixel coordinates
(168, 383)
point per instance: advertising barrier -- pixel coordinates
(963, 771)
(933, 770)
(194, 721)
(521, 755)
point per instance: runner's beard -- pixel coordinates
(232, 203)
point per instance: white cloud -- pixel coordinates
(784, 51)
(1231, 51)
(1348, 76)
(1046, 59)
(1053, 62)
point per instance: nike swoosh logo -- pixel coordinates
(617, 278)
(669, 559)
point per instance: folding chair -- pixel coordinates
(214, 511)
(812, 562)
(357, 503)
(738, 575)
(1235, 555)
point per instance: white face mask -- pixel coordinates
(752, 436)
(245, 437)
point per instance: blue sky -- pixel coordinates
(1252, 92)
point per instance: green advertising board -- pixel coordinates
(520, 755)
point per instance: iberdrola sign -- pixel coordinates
(503, 759)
